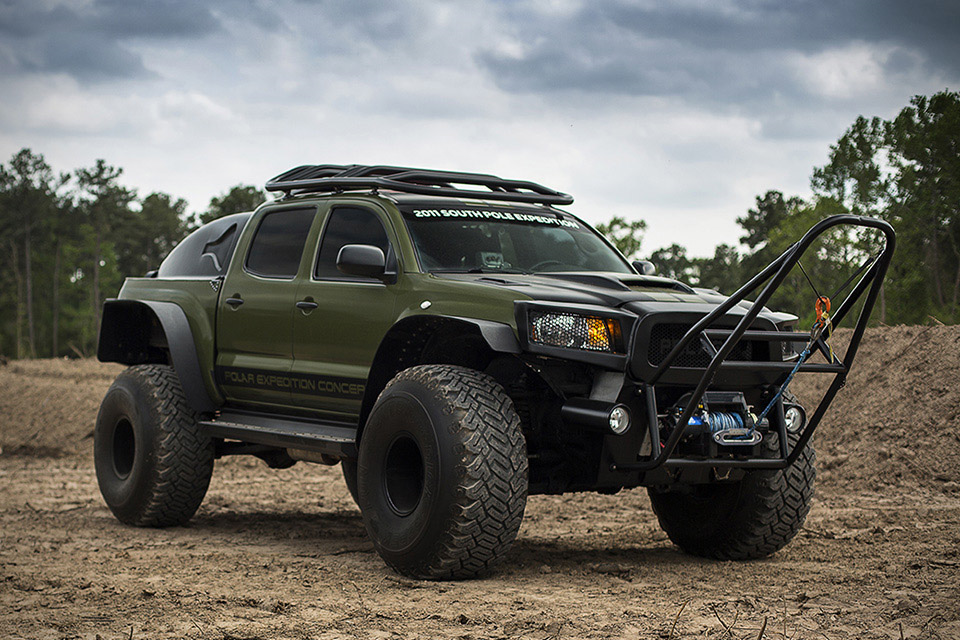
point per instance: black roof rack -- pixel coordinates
(333, 177)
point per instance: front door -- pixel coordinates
(257, 305)
(335, 342)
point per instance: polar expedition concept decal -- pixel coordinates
(304, 383)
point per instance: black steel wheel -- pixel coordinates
(442, 473)
(751, 518)
(153, 462)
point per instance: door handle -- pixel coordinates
(234, 302)
(306, 305)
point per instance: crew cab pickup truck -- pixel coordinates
(456, 342)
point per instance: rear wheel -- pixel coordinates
(442, 473)
(751, 518)
(153, 462)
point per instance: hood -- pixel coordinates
(636, 293)
(604, 289)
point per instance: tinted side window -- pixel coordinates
(219, 249)
(207, 251)
(348, 226)
(276, 248)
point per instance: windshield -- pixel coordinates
(507, 241)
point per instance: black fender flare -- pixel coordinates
(124, 334)
(406, 338)
(499, 337)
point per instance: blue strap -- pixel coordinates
(803, 356)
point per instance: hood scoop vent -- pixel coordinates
(622, 282)
(499, 280)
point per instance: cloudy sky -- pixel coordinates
(675, 112)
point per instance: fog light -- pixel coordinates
(795, 418)
(619, 420)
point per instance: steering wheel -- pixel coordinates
(544, 263)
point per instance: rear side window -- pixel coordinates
(278, 244)
(348, 225)
(219, 249)
(207, 251)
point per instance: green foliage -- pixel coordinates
(237, 199)
(672, 262)
(625, 236)
(27, 203)
(151, 233)
(771, 210)
(723, 272)
(67, 242)
(923, 148)
(905, 170)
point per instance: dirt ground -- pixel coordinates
(283, 554)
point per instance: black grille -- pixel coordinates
(665, 335)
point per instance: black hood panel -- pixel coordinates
(602, 289)
(638, 294)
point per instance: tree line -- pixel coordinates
(905, 170)
(67, 240)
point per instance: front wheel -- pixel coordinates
(751, 518)
(442, 473)
(153, 462)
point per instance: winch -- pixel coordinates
(725, 416)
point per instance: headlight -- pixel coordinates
(574, 331)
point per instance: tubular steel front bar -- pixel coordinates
(776, 272)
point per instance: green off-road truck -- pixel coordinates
(456, 342)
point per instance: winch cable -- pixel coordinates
(823, 323)
(803, 356)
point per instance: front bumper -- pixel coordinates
(724, 346)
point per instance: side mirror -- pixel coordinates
(364, 260)
(645, 267)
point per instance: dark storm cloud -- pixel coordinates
(83, 56)
(87, 40)
(158, 18)
(714, 48)
(927, 25)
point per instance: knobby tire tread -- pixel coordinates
(184, 455)
(492, 474)
(775, 511)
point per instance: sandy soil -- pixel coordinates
(283, 554)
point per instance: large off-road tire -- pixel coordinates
(751, 518)
(442, 473)
(153, 461)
